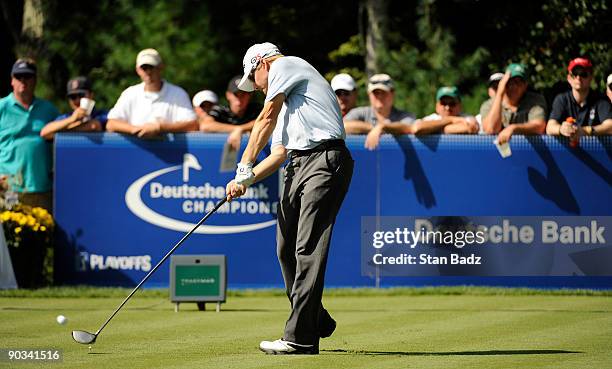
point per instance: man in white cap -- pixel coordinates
(154, 106)
(346, 91)
(301, 115)
(203, 102)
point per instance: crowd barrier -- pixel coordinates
(121, 202)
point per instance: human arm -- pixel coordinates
(603, 129)
(492, 120)
(262, 129)
(533, 127)
(74, 120)
(461, 125)
(395, 128)
(450, 124)
(122, 126)
(266, 167)
(356, 127)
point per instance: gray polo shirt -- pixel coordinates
(532, 106)
(366, 114)
(310, 114)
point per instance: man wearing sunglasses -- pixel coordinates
(154, 106)
(514, 110)
(77, 121)
(23, 153)
(345, 88)
(590, 109)
(449, 117)
(301, 115)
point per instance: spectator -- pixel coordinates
(154, 106)
(236, 119)
(346, 92)
(380, 115)
(203, 102)
(514, 109)
(609, 87)
(77, 121)
(23, 153)
(591, 110)
(491, 89)
(448, 117)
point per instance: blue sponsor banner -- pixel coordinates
(486, 246)
(121, 203)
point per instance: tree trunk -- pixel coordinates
(32, 29)
(375, 33)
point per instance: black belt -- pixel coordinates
(331, 144)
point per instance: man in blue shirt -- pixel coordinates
(24, 155)
(78, 120)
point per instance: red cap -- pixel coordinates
(579, 62)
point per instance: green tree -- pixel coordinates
(563, 31)
(102, 41)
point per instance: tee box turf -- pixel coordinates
(199, 279)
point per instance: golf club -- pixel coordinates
(86, 337)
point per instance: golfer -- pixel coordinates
(302, 116)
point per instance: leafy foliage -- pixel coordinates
(102, 41)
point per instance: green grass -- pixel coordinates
(459, 327)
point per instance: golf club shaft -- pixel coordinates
(219, 204)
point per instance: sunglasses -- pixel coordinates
(23, 77)
(449, 103)
(581, 73)
(76, 96)
(252, 73)
(343, 93)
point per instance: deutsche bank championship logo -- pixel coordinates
(197, 199)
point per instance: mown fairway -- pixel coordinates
(395, 329)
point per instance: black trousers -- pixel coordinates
(315, 186)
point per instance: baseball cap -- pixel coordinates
(148, 57)
(343, 81)
(495, 77)
(78, 85)
(22, 66)
(609, 80)
(232, 85)
(251, 59)
(579, 62)
(380, 82)
(517, 70)
(450, 91)
(204, 95)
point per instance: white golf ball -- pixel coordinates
(61, 319)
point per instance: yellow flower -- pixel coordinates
(43, 228)
(17, 230)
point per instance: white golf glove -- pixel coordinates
(244, 174)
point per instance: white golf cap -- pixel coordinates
(252, 58)
(380, 82)
(204, 95)
(343, 81)
(609, 81)
(148, 57)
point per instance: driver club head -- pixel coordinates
(84, 337)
